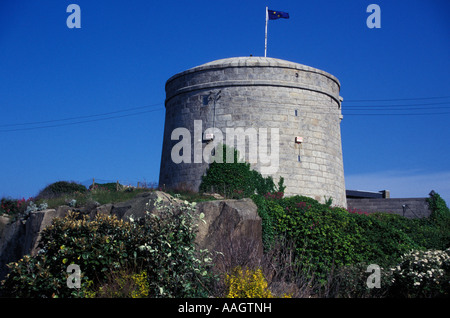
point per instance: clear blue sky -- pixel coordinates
(125, 51)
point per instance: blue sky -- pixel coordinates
(100, 88)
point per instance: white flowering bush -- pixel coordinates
(422, 274)
(32, 207)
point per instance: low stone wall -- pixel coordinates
(408, 207)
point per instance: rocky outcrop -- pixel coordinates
(231, 227)
(4, 220)
(11, 245)
(21, 237)
(138, 206)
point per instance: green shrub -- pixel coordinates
(387, 237)
(32, 277)
(175, 268)
(161, 244)
(324, 237)
(111, 186)
(351, 282)
(235, 179)
(440, 216)
(424, 233)
(327, 238)
(60, 188)
(95, 246)
(440, 212)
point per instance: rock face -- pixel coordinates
(11, 245)
(22, 236)
(35, 224)
(231, 227)
(137, 207)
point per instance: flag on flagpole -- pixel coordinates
(273, 15)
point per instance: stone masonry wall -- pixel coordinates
(261, 93)
(414, 207)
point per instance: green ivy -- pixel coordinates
(440, 216)
(439, 210)
(327, 238)
(235, 179)
(268, 230)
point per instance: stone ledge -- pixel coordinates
(253, 82)
(235, 62)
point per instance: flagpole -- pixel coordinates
(265, 44)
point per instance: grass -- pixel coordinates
(190, 196)
(102, 196)
(107, 193)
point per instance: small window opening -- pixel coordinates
(205, 100)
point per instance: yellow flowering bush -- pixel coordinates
(121, 285)
(247, 283)
(141, 283)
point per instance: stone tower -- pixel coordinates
(288, 113)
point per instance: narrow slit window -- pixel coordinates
(296, 112)
(205, 100)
